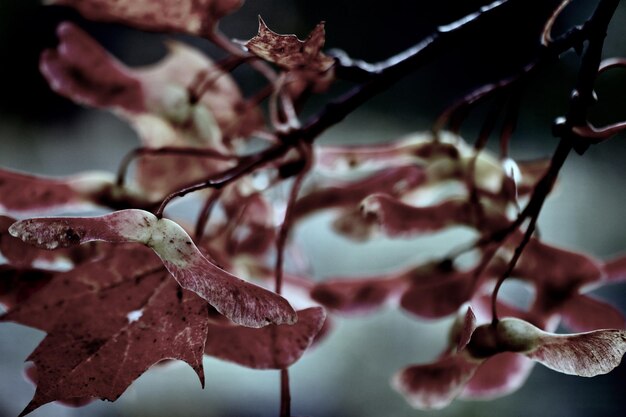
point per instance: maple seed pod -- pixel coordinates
(515, 335)
(509, 335)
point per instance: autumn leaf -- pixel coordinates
(242, 302)
(289, 52)
(196, 17)
(19, 284)
(108, 321)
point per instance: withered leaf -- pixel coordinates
(289, 52)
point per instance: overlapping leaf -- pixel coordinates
(110, 319)
(240, 301)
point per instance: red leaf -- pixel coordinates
(289, 52)
(17, 285)
(197, 17)
(271, 347)
(97, 349)
(240, 301)
(119, 264)
(31, 374)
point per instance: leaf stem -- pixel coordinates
(285, 394)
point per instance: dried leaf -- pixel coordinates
(289, 52)
(240, 301)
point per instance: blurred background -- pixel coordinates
(348, 373)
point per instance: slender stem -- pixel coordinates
(219, 39)
(206, 79)
(168, 150)
(581, 99)
(246, 166)
(285, 394)
(283, 234)
(380, 77)
(205, 213)
(510, 122)
(546, 35)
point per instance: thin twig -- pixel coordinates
(169, 150)
(581, 99)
